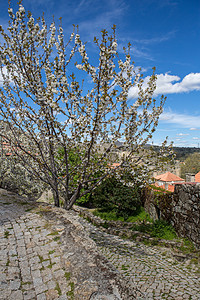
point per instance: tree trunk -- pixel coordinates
(56, 197)
(69, 202)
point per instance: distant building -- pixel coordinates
(6, 148)
(167, 181)
(197, 177)
(190, 177)
(114, 165)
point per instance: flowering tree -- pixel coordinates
(51, 115)
(13, 175)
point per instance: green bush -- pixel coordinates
(159, 229)
(85, 201)
(113, 195)
(139, 215)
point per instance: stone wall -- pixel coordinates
(181, 209)
(157, 204)
(186, 211)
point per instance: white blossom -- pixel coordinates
(54, 115)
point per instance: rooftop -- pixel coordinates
(197, 177)
(168, 176)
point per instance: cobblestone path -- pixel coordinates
(45, 255)
(150, 269)
(41, 258)
(30, 259)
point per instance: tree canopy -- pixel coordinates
(191, 164)
(57, 125)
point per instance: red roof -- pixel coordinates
(168, 177)
(159, 186)
(197, 177)
(170, 188)
(114, 165)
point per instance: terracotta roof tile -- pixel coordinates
(168, 176)
(197, 177)
(170, 188)
(114, 165)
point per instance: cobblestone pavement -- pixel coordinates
(151, 269)
(30, 259)
(41, 259)
(45, 254)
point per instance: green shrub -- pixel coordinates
(85, 201)
(139, 215)
(159, 228)
(113, 195)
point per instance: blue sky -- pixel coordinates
(164, 34)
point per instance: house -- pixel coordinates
(6, 149)
(114, 165)
(197, 177)
(167, 181)
(190, 177)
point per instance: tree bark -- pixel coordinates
(69, 203)
(56, 197)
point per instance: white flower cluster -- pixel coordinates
(60, 126)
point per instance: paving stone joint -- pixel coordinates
(49, 253)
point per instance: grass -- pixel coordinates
(67, 275)
(187, 247)
(125, 268)
(23, 203)
(159, 229)
(58, 289)
(57, 237)
(53, 233)
(47, 226)
(8, 262)
(71, 293)
(42, 259)
(6, 234)
(24, 283)
(141, 215)
(51, 265)
(28, 209)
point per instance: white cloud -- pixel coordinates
(171, 84)
(194, 129)
(182, 134)
(155, 40)
(99, 19)
(187, 121)
(196, 138)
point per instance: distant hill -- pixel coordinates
(182, 152)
